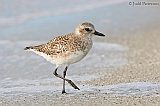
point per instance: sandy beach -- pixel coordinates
(143, 66)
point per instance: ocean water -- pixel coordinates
(27, 22)
(39, 19)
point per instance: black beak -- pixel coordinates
(98, 33)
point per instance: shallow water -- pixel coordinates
(122, 89)
(39, 20)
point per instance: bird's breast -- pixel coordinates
(77, 51)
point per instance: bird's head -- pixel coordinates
(87, 28)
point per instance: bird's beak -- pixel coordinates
(98, 33)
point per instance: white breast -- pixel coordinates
(75, 57)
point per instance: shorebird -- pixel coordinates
(67, 49)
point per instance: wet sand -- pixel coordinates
(143, 66)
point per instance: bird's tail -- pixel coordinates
(28, 48)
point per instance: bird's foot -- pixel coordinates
(64, 92)
(73, 85)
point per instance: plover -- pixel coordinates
(67, 49)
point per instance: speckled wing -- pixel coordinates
(58, 45)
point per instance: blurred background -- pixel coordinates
(42, 20)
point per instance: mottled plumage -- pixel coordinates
(67, 49)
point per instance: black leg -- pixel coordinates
(64, 74)
(68, 80)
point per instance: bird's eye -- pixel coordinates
(87, 29)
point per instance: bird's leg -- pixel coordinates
(68, 80)
(64, 74)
